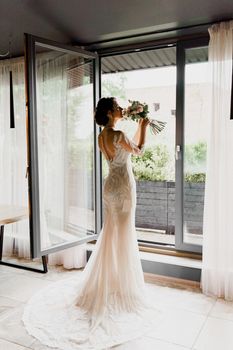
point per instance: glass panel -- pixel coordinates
(155, 171)
(197, 108)
(64, 89)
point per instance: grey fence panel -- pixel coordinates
(156, 205)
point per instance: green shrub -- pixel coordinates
(114, 87)
(195, 162)
(157, 164)
(199, 177)
(195, 154)
(153, 165)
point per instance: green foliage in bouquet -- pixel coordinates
(138, 110)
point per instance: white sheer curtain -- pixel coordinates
(217, 272)
(13, 162)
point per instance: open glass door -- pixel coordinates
(61, 138)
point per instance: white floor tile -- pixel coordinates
(167, 298)
(187, 317)
(216, 334)
(179, 327)
(148, 344)
(5, 275)
(9, 269)
(222, 309)
(54, 273)
(5, 345)
(38, 346)
(12, 328)
(21, 287)
(7, 304)
(59, 273)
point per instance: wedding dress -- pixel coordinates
(106, 306)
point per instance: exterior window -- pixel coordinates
(173, 112)
(156, 106)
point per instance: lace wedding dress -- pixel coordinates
(106, 306)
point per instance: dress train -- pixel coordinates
(108, 304)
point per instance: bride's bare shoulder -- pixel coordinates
(119, 134)
(111, 136)
(110, 132)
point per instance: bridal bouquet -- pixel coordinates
(137, 110)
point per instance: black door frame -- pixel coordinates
(181, 44)
(33, 167)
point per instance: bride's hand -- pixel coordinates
(144, 122)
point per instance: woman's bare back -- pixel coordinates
(106, 142)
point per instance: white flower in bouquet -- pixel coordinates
(137, 110)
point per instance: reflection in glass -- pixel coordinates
(65, 146)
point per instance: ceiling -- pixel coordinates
(93, 23)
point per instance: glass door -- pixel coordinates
(149, 76)
(193, 108)
(170, 176)
(61, 138)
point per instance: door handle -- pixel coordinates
(178, 152)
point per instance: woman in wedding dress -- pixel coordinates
(106, 305)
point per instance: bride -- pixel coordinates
(106, 306)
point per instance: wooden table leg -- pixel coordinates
(45, 262)
(1, 240)
(12, 214)
(44, 258)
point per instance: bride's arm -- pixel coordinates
(136, 137)
(131, 147)
(143, 123)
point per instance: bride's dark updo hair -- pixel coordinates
(104, 105)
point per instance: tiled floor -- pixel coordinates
(190, 320)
